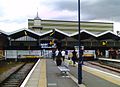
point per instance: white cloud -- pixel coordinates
(16, 13)
(9, 27)
(57, 14)
(90, 1)
(19, 8)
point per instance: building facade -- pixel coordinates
(40, 26)
(96, 27)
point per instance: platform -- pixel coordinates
(47, 74)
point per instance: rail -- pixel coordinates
(15, 79)
(111, 60)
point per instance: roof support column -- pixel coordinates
(9, 41)
(66, 42)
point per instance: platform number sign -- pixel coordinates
(104, 43)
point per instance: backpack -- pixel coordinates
(59, 54)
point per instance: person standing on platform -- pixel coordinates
(112, 53)
(66, 54)
(74, 57)
(53, 54)
(56, 52)
(58, 58)
(63, 55)
(81, 54)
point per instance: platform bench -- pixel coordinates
(64, 68)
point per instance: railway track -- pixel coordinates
(97, 65)
(17, 77)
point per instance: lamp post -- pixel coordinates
(80, 58)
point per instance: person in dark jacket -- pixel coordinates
(58, 59)
(74, 56)
(53, 54)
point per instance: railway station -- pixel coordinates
(28, 53)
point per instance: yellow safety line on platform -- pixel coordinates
(104, 75)
(42, 81)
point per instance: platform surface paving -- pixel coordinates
(47, 74)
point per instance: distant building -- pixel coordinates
(96, 27)
(40, 26)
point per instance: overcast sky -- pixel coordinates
(14, 14)
(101, 10)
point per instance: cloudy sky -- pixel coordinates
(101, 10)
(14, 14)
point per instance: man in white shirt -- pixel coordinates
(56, 53)
(63, 54)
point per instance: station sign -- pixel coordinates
(48, 45)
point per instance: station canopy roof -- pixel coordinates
(108, 35)
(83, 35)
(59, 35)
(55, 33)
(24, 32)
(3, 33)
